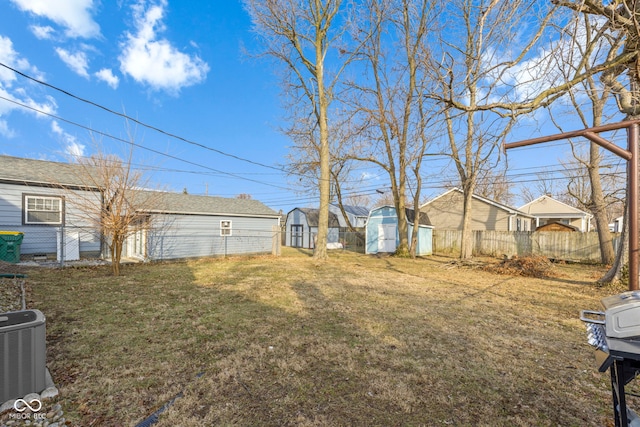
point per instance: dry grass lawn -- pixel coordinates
(356, 341)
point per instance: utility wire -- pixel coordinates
(95, 104)
(140, 146)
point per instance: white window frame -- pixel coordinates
(45, 200)
(226, 229)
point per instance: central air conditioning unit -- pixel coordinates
(23, 354)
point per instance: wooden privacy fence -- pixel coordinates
(551, 244)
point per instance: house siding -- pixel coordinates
(43, 239)
(546, 210)
(446, 213)
(175, 236)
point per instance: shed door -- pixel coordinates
(386, 237)
(297, 236)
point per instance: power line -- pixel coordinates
(141, 123)
(139, 145)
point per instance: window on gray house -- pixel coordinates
(225, 228)
(43, 210)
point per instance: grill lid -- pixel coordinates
(621, 317)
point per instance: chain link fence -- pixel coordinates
(70, 244)
(61, 244)
(342, 240)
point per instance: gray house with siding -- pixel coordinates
(39, 198)
(42, 199)
(185, 226)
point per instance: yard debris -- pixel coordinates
(466, 263)
(530, 266)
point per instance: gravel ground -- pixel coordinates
(11, 294)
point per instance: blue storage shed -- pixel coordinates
(382, 231)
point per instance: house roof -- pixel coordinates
(40, 172)
(548, 206)
(485, 200)
(354, 210)
(313, 217)
(180, 203)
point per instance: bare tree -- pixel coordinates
(620, 72)
(388, 98)
(589, 193)
(304, 157)
(494, 184)
(301, 35)
(487, 76)
(117, 211)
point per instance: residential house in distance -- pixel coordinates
(446, 212)
(42, 199)
(546, 210)
(302, 228)
(357, 215)
(382, 231)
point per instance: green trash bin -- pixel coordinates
(10, 242)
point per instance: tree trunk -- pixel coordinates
(320, 249)
(622, 254)
(607, 254)
(466, 245)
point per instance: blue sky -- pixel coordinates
(176, 66)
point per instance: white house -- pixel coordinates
(546, 209)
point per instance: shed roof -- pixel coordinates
(557, 226)
(313, 216)
(411, 216)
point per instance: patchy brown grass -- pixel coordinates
(357, 340)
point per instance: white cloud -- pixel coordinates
(76, 61)
(11, 58)
(42, 32)
(74, 15)
(154, 61)
(106, 75)
(11, 89)
(72, 147)
(5, 130)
